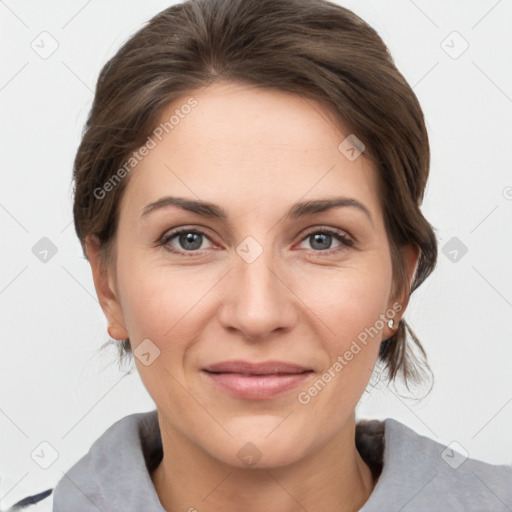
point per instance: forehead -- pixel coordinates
(245, 146)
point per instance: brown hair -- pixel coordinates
(313, 48)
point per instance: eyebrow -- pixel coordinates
(298, 210)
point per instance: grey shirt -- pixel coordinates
(418, 474)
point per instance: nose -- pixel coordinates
(258, 300)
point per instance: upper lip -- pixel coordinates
(263, 368)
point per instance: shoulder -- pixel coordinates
(420, 474)
(124, 440)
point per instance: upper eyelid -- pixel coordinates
(170, 234)
(338, 231)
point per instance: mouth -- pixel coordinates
(256, 381)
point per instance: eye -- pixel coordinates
(321, 240)
(188, 240)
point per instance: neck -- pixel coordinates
(334, 477)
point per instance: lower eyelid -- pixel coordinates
(165, 240)
(345, 240)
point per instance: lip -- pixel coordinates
(256, 381)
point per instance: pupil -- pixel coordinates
(191, 241)
(321, 237)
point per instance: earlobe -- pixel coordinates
(105, 290)
(411, 256)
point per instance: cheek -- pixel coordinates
(351, 306)
(160, 303)
(349, 302)
(163, 305)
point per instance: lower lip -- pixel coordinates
(256, 387)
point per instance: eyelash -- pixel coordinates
(338, 235)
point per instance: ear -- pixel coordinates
(411, 255)
(105, 289)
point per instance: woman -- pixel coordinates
(247, 192)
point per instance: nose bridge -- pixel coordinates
(259, 300)
(257, 281)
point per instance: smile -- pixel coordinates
(256, 381)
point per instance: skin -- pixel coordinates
(254, 153)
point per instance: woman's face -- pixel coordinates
(265, 281)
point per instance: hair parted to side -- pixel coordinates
(313, 48)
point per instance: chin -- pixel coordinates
(261, 442)
(267, 455)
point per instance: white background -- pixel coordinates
(55, 386)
